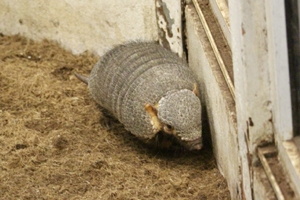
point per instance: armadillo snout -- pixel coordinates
(194, 145)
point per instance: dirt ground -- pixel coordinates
(55, 143)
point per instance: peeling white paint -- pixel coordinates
(169, 24)
(252, 82)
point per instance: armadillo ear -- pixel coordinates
(195, 90)
(151, 110)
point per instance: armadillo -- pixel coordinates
(149, 89)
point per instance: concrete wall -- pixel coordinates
(94, 25)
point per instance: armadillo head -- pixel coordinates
(179, 113)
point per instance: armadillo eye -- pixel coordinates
(168, 128)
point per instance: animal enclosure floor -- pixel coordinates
(56, 144)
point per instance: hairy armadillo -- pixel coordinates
(149, 90)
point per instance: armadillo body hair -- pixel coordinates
(136, 74)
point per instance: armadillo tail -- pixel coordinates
(82, 78)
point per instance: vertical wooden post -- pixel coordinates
(252, 83)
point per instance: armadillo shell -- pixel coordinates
(133, 74)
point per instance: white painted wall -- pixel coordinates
(252, 82)
(281, 95)
(263, 105)
(279, 70)
(218, 101)
(261, 75)
(78, 25)
(170, 25)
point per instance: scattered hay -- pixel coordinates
(54, 144)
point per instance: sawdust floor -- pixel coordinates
(56, 144)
